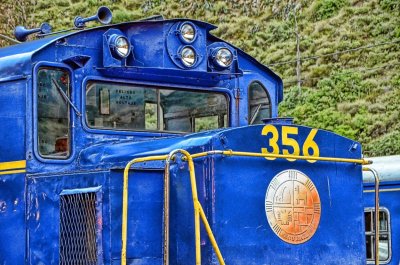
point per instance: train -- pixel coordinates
(155, 142)
(389, 209)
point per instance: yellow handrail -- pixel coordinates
(198, 211)
(125, 199)
(252, 154)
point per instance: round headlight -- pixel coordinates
(120, 45)
(223, 57)
(188, 32)
(188, 56)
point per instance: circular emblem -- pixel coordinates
(292, 206)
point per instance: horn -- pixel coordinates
(103, 15)
(21, 33)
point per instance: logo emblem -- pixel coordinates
(292, 206)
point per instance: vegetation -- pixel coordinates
(354, 93)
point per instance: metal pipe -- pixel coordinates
(198, 210)
(376, 176)
(195, 203)
(166, 206)
(252, 154)
(166, 212)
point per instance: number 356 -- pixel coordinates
(309, 148)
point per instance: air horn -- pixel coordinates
(103, 15)
(21, 33)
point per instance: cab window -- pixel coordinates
(259, 103)
(384, 235)
(53, 113)
(115, 106)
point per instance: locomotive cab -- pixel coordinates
(82, 85)
(116, 135)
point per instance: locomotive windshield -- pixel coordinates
(53, 112)
(131, 107)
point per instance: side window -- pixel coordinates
(53, 113)
(384, 235)
(259, 103)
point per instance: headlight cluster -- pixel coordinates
(187, 46)
(119, 45)
(187, 34)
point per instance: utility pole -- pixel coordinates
(298, 55)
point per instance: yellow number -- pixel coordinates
(286, 130)
(273, 141)
(311, 144)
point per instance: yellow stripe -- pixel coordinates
(13, 165)
(383, 190)
(12, 172)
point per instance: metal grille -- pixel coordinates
(78, 229)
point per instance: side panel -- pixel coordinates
(12, 120)
(240, 202)
(12, 219)
(12, 186)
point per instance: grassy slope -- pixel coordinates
(356, 94)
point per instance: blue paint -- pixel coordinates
(231, 189)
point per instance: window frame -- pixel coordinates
(223, 91)
(388, 232)
(71, 117)
(248, 100)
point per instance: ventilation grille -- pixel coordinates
(78, 229)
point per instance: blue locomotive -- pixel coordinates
(155, 142)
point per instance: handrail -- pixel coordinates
(267, 155)
(377, 213)
(198, 210)
(125, 200)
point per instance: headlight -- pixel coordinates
(223, 57)
(119, 45)
(187, 32)
(188, 56)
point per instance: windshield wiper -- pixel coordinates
(253, 118)
(66, 98)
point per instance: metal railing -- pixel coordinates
(198, 209)
(376, 177)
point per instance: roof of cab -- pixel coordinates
(33, 46)
(16, 57)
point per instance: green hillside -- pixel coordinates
(350, 50)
